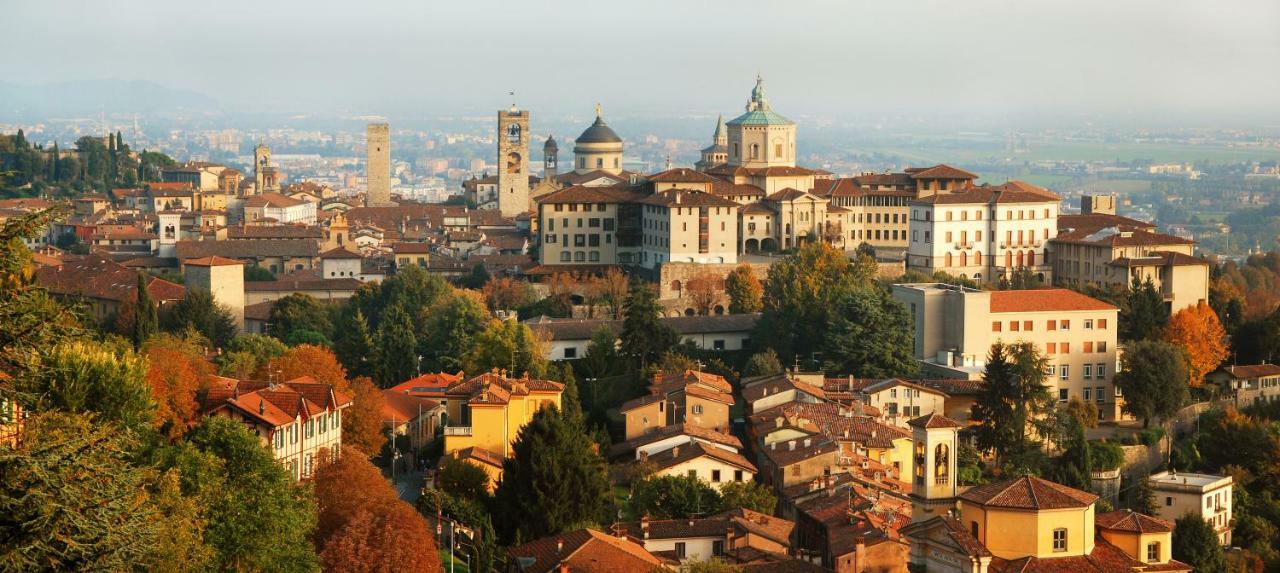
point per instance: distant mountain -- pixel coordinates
(92, 96)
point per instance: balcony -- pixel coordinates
(457, 430)
(964, 246)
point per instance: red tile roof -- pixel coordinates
(1105, 558)
(1028, 492)
(687, 198)
(1132, 521)
(1010, 192)
(1252, 371)
(930, 421)
(213, 261)
(583, 551)
(942, 171)
(96, 276)
(403, 407)
(1042, 300)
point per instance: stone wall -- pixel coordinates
(1106, 485)
(673, 282)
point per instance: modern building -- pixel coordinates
(955, 327)
(378, 165)
(1209, 496)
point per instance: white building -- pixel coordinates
(274, 207)
(1209, 496)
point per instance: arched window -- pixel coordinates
(513, 132)
(947, 258)
(1008, 258)
(755, 150)
(1031, 258)
(964, 259)
(977, 258)
(1021, 259)
(940, 464)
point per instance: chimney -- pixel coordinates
(792, 445)
(677, 194)
(728, 539)
(559, 545)
(773, 445)
(262, 406)
(777, 422)
(807, 442)
(675, 451)
(644, 526)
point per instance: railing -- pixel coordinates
(457, 430)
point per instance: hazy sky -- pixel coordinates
(1197, 58)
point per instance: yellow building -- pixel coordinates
(486, 413)
(1033, 525)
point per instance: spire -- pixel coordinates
(599, 115)
(758, 100)
(722, 136)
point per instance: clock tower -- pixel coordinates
(513, 161)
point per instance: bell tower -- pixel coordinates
(550, 158)
(935, 446)
(513, 161)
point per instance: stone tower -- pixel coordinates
(550, 158)
(935, 443)
(266, 179)
(378, 166)
(760, 137)
(513, 161)
(222, 278)
(170, 226)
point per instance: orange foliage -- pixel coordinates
(362, 422)
(505, 293)
(1197, 331)
(389, 538)
(306, 360)
(175, 371)
(343, 487)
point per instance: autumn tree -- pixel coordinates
(702, 292)
(1198, 333)
(385, 539)
(247, 352)
(306, 360)
(343, 487)
(362, 422)
(560, 291)
(1153, 380)
(744, 290)
(506, 293)
(609, 291)
(176, 370)
(800, 297)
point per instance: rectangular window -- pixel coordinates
(1168, 501)
(1088, 347)
(1064, 372)
(1100, 394)
(1088, 393)
(570, 352)
(551, 238)
(1066, 325)
(1051, 348)
(1153, 552)
(1064, 395)
(737, 475)
(693, 473)
(1026, 326)
(717, 345)
(680, 549)
(1065, 347)
(1088, 373)
(1102, 324)
(697, 408)
(593, 240)
(1052, 325)
(608, 224)
(717, 547)
(996, 326)
(1101, 370)
(1060, 540)
(593, 222)
(1102, 346)
(1013, 326)
(564, 256)
(715, 476)
(1088, 324)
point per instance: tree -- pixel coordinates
(30, 321)
(306, 360)
(506, 293)
(644, 338)
(145, 321)
(463, 479)
(246, 352)
(744, 290)
(386, 539)
(674, 497)
(362, 422)
(84, 377)
(1228, 437)
(553, 481)
(762, 364)
(602, 358)
(343, 488)
(610, 291)
(353, 344)
(1196, 544)
(397, 348)
(176, 369)
(478, 277)
(1143, 313)
(71, 499)
(198, 311)
(298, 312)
(1075, 465)
(870, 336)
(451, 327)
(1153, 380)
(570, 400)
(1013, 398)
(702, 292)
(800, 296)
(712, 565)
(1198, 333)
(258, 518)
(506, 345)
(747, 495)
(255, 273)
(1143, 499)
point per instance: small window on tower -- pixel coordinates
(513, 132)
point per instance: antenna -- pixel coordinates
(512, 93)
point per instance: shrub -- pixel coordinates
(1105, 456)
(1151, 436)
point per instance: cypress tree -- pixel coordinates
(354, 345)
(145, 319)
(397, 357)
(644, 338)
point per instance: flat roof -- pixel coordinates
(1189, 479)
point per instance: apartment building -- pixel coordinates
(1209, 496)
(590, 226)
(1098, 247)
(698, 398)
(486, 412)
(954, 328)
(688, 226)
(985, 232)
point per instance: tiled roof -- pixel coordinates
(96, 276)
(273, 200)
(214, 261)
(1095, 221)
(274, 405)
(783, 454)
(1132, 521)
(1161, 259)
(708, 379)
(1117, 237)
(764, 387)
(403, 407)
(691, 430)
(768, 526)
(1041, 300)
(428, 385)
(694, 450)
(687, 198)
(958, 533)
(681, 175)
(584, 550)
(789, 194)
(931, 421)
(247, 248)
(274, 232)
(1105, 558)
(941, 171)
(494, 387)
(480, 455)
(285, 284)
(1028, 492)
(581, 194)
(1010, 192)
(1252, 371)
(340, 253)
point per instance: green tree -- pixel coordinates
(1076, 463)
(397, 349)
(353, 344)
(246, 352)
(748, 495)
(644, 338)
(1196, 544)
(763, 363)
(87, 377)
(179, 545)
(72, 501)
(30, 321)
(258, 518)
(255, 273)
(800, 298)
(1013, 401)
(1143, 498)
(198, 311)
(302, 336)
(1153, 379)
(553, 481)
(476, 279)
(570, 400)
(744, 290)
(870, 336)
(1143, 313)
(602, 358)
(298, 312)
(673, 497)
(506, 345)
(451, 327)
(463, 479)
(145, 320)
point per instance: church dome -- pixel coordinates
(599, 132)
(550, 145)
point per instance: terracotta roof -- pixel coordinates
(244, 249)
(953, 386)
(428, 385)
(783, 454)
(768, 386)
(694, 450)
(1041, 300)
(1010, 192)
(789, 194)
(480, 455)
(274, 405)
(681, 175)
(495, 388)
(1105, 558)
(1132, 521)
(214, 261)
(708, 379)
(622, 193)
(1119, 237)
(693, 431)
(941, 171)
(687, 198)
(340, 253)
(955, 530)
(96, 276)
(768, 526)
(1094, 221)
(1161, 259)
(403, 407)
(273, 200)
(286, 284)
(1028, 492)
(584, 550)
(275, 232)
(1252, 371)
(930, 421)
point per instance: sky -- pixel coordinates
(1195, 59)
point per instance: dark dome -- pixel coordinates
(550, 144)
(598, 133)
